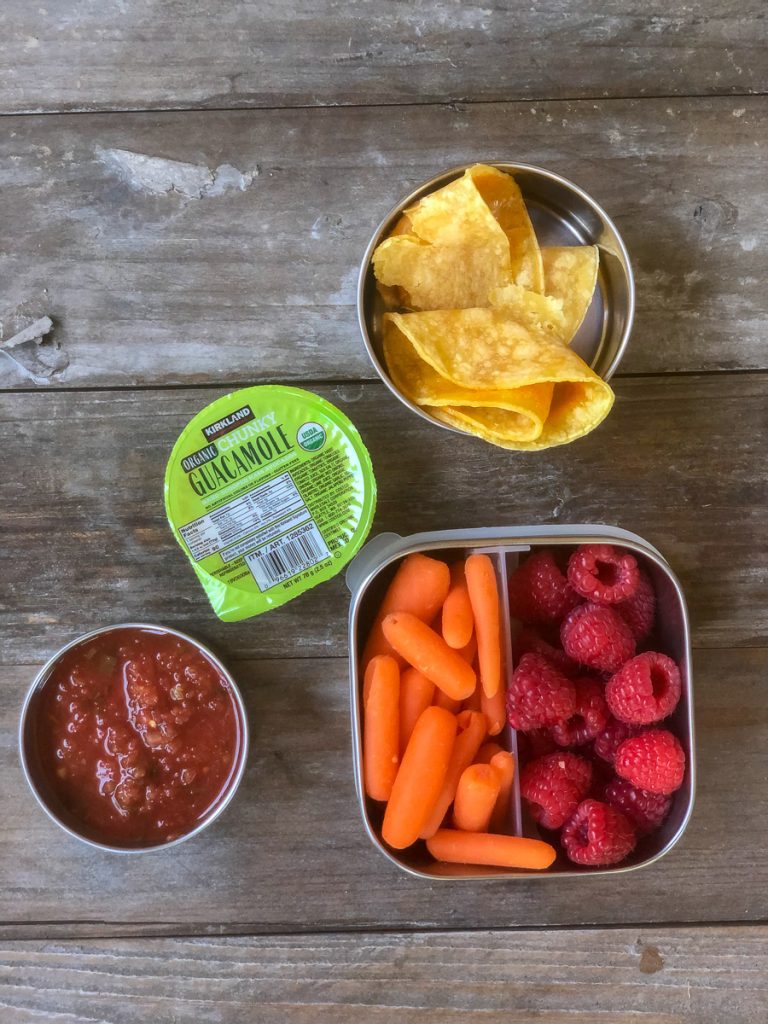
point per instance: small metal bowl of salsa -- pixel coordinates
(133, 737)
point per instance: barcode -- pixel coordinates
(283, 558)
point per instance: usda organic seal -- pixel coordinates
(310, 436)
(269, 491)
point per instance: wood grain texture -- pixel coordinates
(625, 976)
(136, 54)
(239, 261)
(291, 853)
(681, 461)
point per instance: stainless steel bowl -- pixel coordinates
(368, 576)
(35, 776)
(562, 214)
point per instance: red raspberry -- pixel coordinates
(602, 774)
(610, 739)
(589, 717)
(645, 810)
(538, 694)
(597, 834)
(645, 689)
(534, 743)
(654, 760)
(553, 786)
(602, 573)
(639, 611)
(538, 590)
(598, 637)
(530, 641)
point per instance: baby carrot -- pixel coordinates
(456, 847)
(370, 669)
(442, 700)
(420, 777)
(430, 654)
(381, 728)
(495, 710)
(471, 735)
(420, 586)
(416, 693)
(474, 700)
(469, 651)
(476, 796)
(487, 751)
(484, 595)
(457, 624)
(504, 763)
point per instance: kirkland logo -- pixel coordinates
(199, 458)
(221, 427)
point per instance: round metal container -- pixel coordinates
(34, 775)
(562, 214)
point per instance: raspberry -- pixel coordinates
(589, 718)
(654, 760)
(645, 689)
(553, 786)
(602, 573)
(613, 735)
(538, 590)
(531, 641)
(597, 637)
(645, 810)
(602, 774)
(534, 743)
(538, 694)
(598, 834)
(639, 611)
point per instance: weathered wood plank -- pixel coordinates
(682, 461)
(136, 54)
(291, 853)
(150, 285)
(650, 976)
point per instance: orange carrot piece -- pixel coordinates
(471, 735)
(381, 728)
(420, 778)
(420, 586)
(468, 653)
(416, 693)
(495, 710)
(487, 751)
(370, 668)
(457, 622)
(484, 595)
(474, 700)
(442, 700)
(504, 763)
(476, 796)
(430, 654)
(456, 847)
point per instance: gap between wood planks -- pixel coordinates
(35, 931)
(323, 382)
(451, 103)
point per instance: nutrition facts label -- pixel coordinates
(248, 521)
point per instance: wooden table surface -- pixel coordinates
(186, 188)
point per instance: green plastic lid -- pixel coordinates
(269, 491)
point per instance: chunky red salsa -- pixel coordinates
(138, 736)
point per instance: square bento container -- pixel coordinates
(368, 577)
